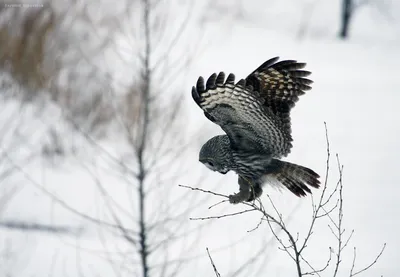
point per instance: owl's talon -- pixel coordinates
(239, 197)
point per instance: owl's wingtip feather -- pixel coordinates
(195, 95)
(210, 84)
(200, 84)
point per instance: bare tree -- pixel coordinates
(151, 223)
(351, 7)
(329, 206)
(346, 14)
(150, 121)
(147, 114)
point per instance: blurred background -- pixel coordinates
(98, 129)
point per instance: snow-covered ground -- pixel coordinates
(355, 92)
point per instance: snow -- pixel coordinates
(355, 93)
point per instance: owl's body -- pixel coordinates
(255, 115)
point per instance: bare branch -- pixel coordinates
(317, 271)
(205, 191)
(222, 216)
(58, 200)
(368, 266)
(213, 265)
(38, 227)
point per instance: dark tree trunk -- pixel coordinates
(347, 10)
(144, 251)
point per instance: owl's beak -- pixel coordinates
(223, 171)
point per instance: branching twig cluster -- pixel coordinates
(329, 205)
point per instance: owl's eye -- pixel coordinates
(209, 165)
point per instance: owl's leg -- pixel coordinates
(244, 192)
(255, 192)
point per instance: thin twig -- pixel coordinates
(317, 271)
(368, 266)
(214, 205)
(338, 225)
(206, 191)
(213, 264)
(222, 216)
(320, 205)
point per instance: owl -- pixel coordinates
(255, 115)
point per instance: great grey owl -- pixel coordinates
(255, 115)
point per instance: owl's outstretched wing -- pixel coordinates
(280, 84)
(240, 111)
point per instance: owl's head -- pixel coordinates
(216, 154)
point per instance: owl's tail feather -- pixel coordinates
(295, 178)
